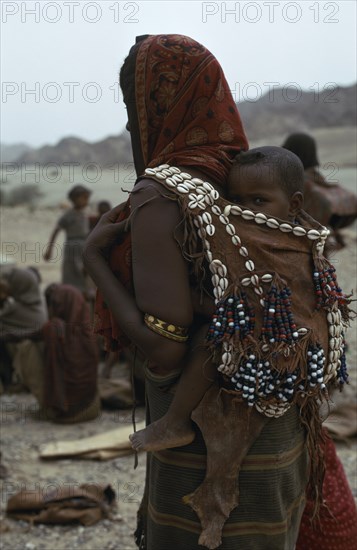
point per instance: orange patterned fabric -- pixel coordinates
(187, 115)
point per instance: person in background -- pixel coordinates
(75, 222)
(329, 203)
(64, 377)
(102, 208)
(22, 312)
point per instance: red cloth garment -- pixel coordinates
(338, 521)
(71, 356)
(120, 263)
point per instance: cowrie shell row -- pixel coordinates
(332, 330)
(249, 265)
(198, 181)
(255, 280)
(210, 230)
(209, 200)
(182, 188)
(285, 228)
(248, 215)
(223, 219)
(175, 170)
(258, 290)
(226, 357)
(227, 210)
(230, 229)
(207, 218)
(167, 173)
(260, 217)
(267, 278)
(208, 186)
(190, 185)
(243, 251)
(164, 166)
(299, 231)
(184, 175)
(313, 234)
(150, 172)
(222, 270)
(272, 223)
(302, 331)
(216, 210)
(160, 176)
(217, 292)
(236, 240)
(209, 255)
(170, 182)
(223, 283)
(236, 210)
(246, 281)
(215, 279)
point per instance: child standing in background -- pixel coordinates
(75, 223)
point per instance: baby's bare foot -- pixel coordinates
(162, 434)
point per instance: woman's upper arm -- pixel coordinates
(161, 277)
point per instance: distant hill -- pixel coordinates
(10, 153)
(114, 149)
(274, 114)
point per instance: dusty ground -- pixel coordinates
(22, 433)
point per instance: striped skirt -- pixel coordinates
(272, 484)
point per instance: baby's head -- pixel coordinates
(269, 180)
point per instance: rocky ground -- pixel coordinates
(23, 433)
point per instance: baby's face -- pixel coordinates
(255, 188)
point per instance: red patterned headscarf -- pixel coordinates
(186, 113)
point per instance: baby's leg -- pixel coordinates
(174, 429)
(229, 430)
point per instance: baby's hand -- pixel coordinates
(106, 232)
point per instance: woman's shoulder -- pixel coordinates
(148, 190)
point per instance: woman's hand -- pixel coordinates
(105, 233)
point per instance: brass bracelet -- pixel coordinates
(168, 330)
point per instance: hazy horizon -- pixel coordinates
(60, 60)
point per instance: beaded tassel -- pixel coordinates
(256, 380)
(233, 316)
(278, 320)
(327, 289)
(342, 374)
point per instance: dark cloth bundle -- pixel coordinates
(86, 504)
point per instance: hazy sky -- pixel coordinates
(60, 60)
